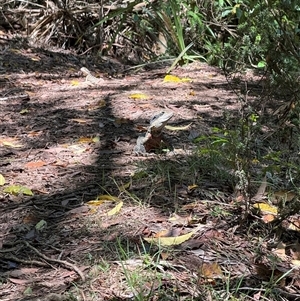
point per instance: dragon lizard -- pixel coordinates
(90, 79)
(153, 139)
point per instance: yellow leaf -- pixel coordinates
(96, 139)
(85, 140)
(175, 79)
(186, 80)
(266, 208)
(178, 128)
(2, 180)
(169, 241)
(138, 96)
(116, 209)
(171, 79)
(108, 197)
(95, 202)
(74, 83)
(24, 111)
(234, 9)
(10, 142)
(125, 186)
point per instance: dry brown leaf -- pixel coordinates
(267, 218)
(35, 164)
(79, 120)
(211, 271)
(19, 281)
(280, 251)
(34, 133)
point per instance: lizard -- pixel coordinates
(90, 78)
(153, 139)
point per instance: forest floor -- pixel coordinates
(83, 217)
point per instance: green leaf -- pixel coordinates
(17, 189)
(261, 64)
(41, 225)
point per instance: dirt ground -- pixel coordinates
(70, 142)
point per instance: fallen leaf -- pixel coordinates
(24, 111)
(116, 209)
(211, 270)
(108, 198)
(294, 225)
(101, 103)
(11, 142)
(125, 186)
(138, 96)
(20, 281)
(2, 180)
(95, 202)
(175, 79)
(80, 120)
(23, 272)
(96, 139)
(266, 208)
(30, 219)
(75, 83)
(77, 149)
(85, 140)
(175, 219)
(280, 251)
(34, 134)
(192, 187)
(35, 59)
(178, 128)
(164, 233)
(28, 291)
(169, 241)
(35, 164)
(41, 225)
(16, 190)
(267, 218)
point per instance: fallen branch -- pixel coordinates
(62, 262)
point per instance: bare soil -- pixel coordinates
(71, 142)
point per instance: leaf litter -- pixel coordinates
(168, 229)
